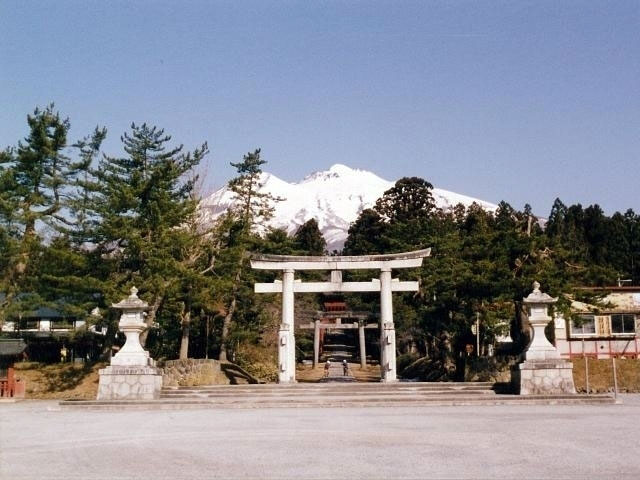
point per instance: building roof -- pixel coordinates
(619, 300)
(11, 346)
(615, 288)
(44, 312)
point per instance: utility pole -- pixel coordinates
(586, 366)
(477, 334)
(615, 378)
(206, 348)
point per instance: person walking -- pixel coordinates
(345, 368)
(327, 366)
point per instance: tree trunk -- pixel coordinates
(184, 341)
(447, 353)
(25, 247)
(151, 318)
(226, 325)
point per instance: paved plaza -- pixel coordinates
(40, 441)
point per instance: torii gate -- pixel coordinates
(385, 285)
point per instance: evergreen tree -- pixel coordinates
(68, 267)
(366, 235)
(81, 219)
(253, 210)
(38, 184)
(617, 245)
(557, 218)
(309, 238)
(505, 216)
(408, 199)
(143, 202)
(632, 225)
(595, 231)
(276, 241)
(33, 178)
(254, 207)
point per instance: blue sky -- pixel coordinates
(522, 101)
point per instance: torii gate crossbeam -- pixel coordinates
(385, 285)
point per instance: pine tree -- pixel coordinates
(143, 202)
(37, 186)
(253, 209)
(632, 224)
(81, 218)
(557, 218)
(68, 267)
(505, 216)
(366, 235)
(34, 176)
(309, 238)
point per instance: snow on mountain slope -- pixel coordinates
(334, 197)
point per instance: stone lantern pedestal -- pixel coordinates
(542, 371)
(132, 374)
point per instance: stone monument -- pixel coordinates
(541, 371)
(132, 374)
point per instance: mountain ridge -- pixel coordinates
(334, 197)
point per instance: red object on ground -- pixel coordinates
(11, 387)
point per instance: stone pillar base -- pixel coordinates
(388, 364)
(129, 383)
(543, 377)
(389, 380)
(286, 355)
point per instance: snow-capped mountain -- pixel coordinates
(334, 197)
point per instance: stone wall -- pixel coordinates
(192, 372)
(129, 383)
(543, 378)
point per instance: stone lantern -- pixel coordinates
(542, 370)
(132, 374)
(132, 325)
(537, 304)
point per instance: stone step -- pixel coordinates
(352, 401)
(311, 393)
(336, 356)
(340, 346)
(333, 389)
(359, 386)
(346, 400)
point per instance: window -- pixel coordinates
(583, 325)
(28, 324)
(623, 323)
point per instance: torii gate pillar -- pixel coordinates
(363, 345)
(387, 329)
(316, 343)
(286, 337)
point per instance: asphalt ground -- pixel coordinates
(40, 441)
